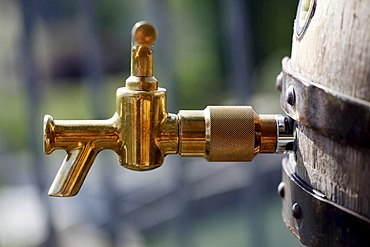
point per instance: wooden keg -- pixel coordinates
(325, 87)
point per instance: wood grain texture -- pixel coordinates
(340, 171)
(335, 52)
(335, 49)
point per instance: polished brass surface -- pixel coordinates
(192, 135)
(231, 131)
(269, 133)
(82, 140)
(143, 37)
(226, 133)
(142, 132)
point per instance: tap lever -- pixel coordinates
(143, 37)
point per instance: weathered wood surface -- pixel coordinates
(335, 52)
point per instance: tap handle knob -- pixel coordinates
(144, 35)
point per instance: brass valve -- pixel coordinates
(142, 132)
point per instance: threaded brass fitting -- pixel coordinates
(227, 133)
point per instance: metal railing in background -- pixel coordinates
(29, 15)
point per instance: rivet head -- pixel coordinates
(281, 190)
(296, 211)
(290, 95)
(279, 81)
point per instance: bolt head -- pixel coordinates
(281, 190)
(296, 211)
(290, 95)
(279, 81)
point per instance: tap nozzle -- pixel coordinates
(82, 140)
(142, 132)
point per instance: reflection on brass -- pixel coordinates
(142, 132)
(143, 38)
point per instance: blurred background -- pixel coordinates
(67, 58)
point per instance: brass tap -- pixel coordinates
(142, 132)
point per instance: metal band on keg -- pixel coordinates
(314, 219)
(330, 113)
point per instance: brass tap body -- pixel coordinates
(142, 132)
